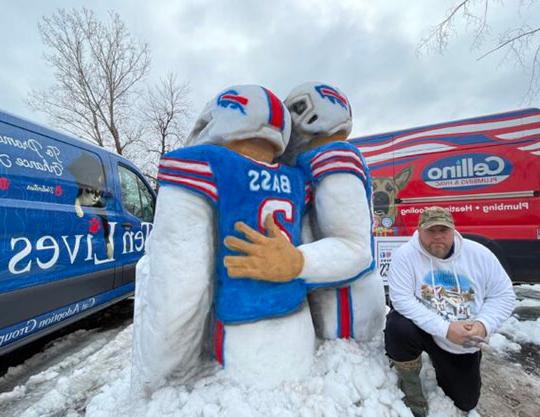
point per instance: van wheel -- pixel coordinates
(493, 247)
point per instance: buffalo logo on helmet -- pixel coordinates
(325, 91)
(231, 99)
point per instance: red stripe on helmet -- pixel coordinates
(277, 113)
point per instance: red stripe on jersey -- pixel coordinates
(206, 187)
(210, 184)
(277, 117)
(219, 336)
(186, 161)
(185, 170)
(344, 313)
(343, 167)
(329, 161)
(194, 167)
(335, 153)
(308, 194)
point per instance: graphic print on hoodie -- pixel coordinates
(450, 294)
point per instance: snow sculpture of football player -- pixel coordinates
(263, 331)
(347, 299)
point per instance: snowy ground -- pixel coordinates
(87, 373)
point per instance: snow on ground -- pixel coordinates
(501, 344)
(88, 372)
(514, 331)
(346, 380)
(532, 287)
(63, 388)
(522, 331)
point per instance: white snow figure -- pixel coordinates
(322, 120)
(347, 297)
(263, 331)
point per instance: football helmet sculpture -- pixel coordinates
(259, 114)
(317, 110)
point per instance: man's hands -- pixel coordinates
(459, 332)
(269, 258)
(466, 333)
(478, 329)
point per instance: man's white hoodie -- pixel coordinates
(471, 284)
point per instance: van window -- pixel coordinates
(90, 179)
(136, 197)
(37, 168)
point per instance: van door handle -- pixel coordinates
(127, 225)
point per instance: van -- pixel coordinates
(74, 219)
(484, 170)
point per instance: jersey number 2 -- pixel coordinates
(274, 206)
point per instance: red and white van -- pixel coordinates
(485, 171)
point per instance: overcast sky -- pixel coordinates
(366, 48)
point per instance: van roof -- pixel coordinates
(381, 137)
(26, 124)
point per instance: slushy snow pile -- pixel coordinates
(346, 380)
(520, 331)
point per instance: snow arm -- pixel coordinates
(342, 225)
(173, 289)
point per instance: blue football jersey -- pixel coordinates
(332, 158)
(242, 189)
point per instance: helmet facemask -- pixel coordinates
(317, 111)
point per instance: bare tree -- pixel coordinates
(166, 113)
(519, 43)
(97, 66)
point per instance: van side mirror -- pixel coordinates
(106, 194)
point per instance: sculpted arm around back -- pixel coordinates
(342, 246)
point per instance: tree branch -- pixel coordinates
(509, 41)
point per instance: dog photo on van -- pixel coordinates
(90, 180)
(385, 192)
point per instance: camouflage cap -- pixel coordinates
(435, 216)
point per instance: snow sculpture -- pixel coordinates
(347, 297)
(262, 331)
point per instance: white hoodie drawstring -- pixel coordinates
(433, 277)
(456, 278)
